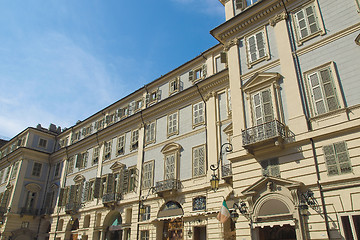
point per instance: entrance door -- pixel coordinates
(200, 233)
(285, 232)
(173, 229)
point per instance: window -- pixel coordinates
(81, 160)
(351, 226)
(198, 161)
(150, 132)
(134, 140)
(30, 200)
(144, 235)
(148, 169)
(337, 159)
(138, 105)
(220, 62)
(71, 163)
(109, 119)
(257, 48)
(170, 166)
(241, 4)
(145, 216)
(120, 149)
(133, 173)
(198, 73)
(307, 23)
(270, 167)
(173, 124)
(15, 169)
(95, 159)
(153, 97)
(122, 112)
(7, 173)
(174, 85)
(99, 124)
(199, 203)
(36, 169)
(42, 143)
(107, 150)
(262, 107)
(198, 114)
(57, 169)
(322, 90)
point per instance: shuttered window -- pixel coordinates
(148, 169)
(322, 91)
(199, 161)
(70, 166)
(120, 148)
(198, 113)
(306, 22)
(173, 124)
(170, 166)
(95, 158)
(174, 85)
(107, 150)
(262, 107)
(134, 139)
(270, 167)
(337, 159)
(150, 132)
(36, 171)
(256, 47)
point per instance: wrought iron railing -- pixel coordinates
(226, 170)
(167, 185)
(263, 132)
(29, 211)
(111, 197)
(72, 207)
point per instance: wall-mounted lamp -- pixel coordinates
(214, 181)
(243, 209)
(308, 198)
(142, 207)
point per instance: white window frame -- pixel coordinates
(336, 87)
(174, 86)
(134, 140)
(107, 149)
(173, 124)
(38, 172)
(198, 114)
(96, 155)
(350, 216)
(196, 166)
(120, 146)
(251, 62)
(148, 174)
(318, 20)
(338, 158)
(150, 133)
(198, 73)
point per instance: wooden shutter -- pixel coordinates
(240, 4)
(267, 105)
(170, 167)
(61, 197)
(147, 99)
(125, 181)
(132, 107)
(72, 194)
(329, 89)
(204, 70)
(5, 199)
(97, 187)
(191, 75)
(330, 159)
(85, 194)
(343, 157)
(316, 93)
(223, 58)
(301, 24)
(251, 43)
(311, 18)
(258, 114)
(158, 95)
(260, 44)
(110, 183)
(78, 160)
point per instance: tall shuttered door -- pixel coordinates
(170, 167)
(97, 187)
(262, 107)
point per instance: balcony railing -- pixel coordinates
(72, 207)
(263, 132)
(111, 197)
(226, 170)
(167, 185)
(29, 211)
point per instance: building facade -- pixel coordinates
(272, 111)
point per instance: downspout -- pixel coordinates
(306, 112)
(140, 177)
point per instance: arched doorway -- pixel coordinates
(114, 230)
(71, 231)
(171, 214)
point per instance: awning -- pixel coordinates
(274, 223)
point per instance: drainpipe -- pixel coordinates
(306, 113)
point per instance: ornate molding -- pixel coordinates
(229, 44)
(210, 95)
(277, 18)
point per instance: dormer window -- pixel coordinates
(198, 73)
(42, 143)
(134, 140)
(120, 150)
(174, 85)
(239, 5)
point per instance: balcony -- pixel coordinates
(272, 133)
(110, 199)
(72, 207)
(29, 211)
(170, 185)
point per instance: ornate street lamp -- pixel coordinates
(243, 209)
(142, 207)
(214, 181)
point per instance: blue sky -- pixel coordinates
(64, 60)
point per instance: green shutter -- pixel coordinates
(97, 187)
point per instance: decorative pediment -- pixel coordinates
(79, 178)
(270, 184)
(171, 147)
(117, 166)
(33, 187)
(261, 80)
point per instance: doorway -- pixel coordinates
(173, 229)
(277, 232)
(200, 233)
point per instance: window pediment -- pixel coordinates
(79, 178)
(171, 147)
(261, 80)
(117, 166)
(33, 187)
